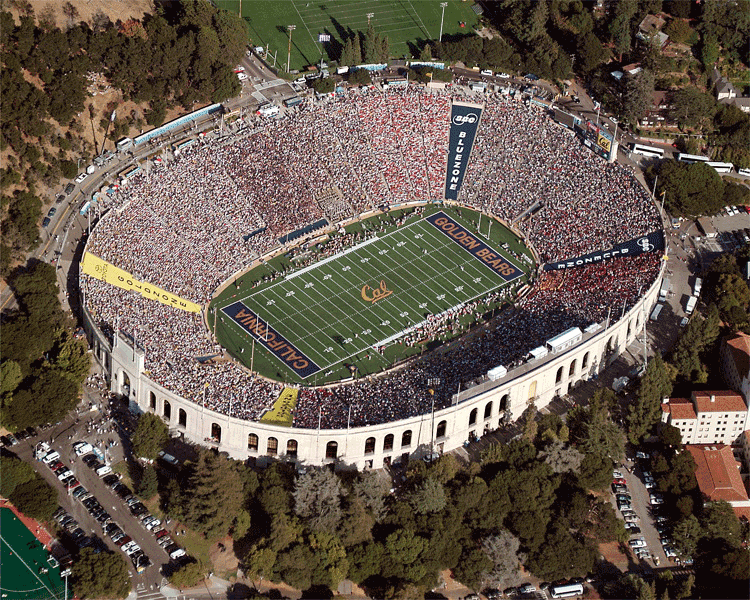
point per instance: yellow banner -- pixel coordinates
(281, 413)
(108, 273)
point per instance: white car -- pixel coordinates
(631, 518)
(241, 76)
(617, 475)
(152, 525)
(486, 72)
(81, 178)
(503, 75)
(637, 543)
(649, 484)
(656, 500)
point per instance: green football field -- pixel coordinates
(403, 21)
(342, 310)
(26, 574)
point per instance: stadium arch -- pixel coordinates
(444, 431)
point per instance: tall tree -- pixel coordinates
(317, 498)
(150, 436)
(503, 550)
(639, 93)
(103, 575)
(216, 495)
(645, 412)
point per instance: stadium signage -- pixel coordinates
(476, 247)
(465, 119)
(108, 273)
(652, 242)
(262, 332)
(378, 293)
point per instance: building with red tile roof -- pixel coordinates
(718, 476)
(708, 417)
(735, 363)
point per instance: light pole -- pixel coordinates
(442, 15)
(289, 50)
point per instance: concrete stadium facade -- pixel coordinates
(475, 411)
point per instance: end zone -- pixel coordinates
(271, 339)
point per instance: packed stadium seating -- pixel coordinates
(185, 225)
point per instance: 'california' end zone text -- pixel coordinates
(276, 343)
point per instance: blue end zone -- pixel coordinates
(271, 339)
(481, 251)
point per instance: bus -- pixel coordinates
(657, 311)
(643, 150)
(691, 158)
(720, 167)
(745, 172)
(566, 591)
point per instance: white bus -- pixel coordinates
(646, 150)
(566, 591)
(720, 167)
(691, 158)
(745, 172)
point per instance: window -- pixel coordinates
(369, 445)
(388, 443)
(406, 439)
(504, 402)
(441, 429)
(331, 450)
(473, 417)
(272, 448)
(488, 410)
(216, 432)
(152, 400)
(559, 376)
(252, 442)
(585, 361)
(572, 369)
(291, 448)
(182, 418)
(167, 411)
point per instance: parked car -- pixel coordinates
(616, 475)
(637, 543)
(633, 529)
(69, 188)
(619, 481)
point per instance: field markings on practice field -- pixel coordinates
(307, 309)
(403, 21)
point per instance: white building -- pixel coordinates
(708, 417)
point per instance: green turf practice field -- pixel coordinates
(403, 21)
(354, 308)
(26, 574)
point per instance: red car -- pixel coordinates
(619, 481)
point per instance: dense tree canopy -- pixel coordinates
(103, 575)
(45, 363)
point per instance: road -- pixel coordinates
(63, 236)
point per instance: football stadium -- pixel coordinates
(379, 275)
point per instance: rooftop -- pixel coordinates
(718, 401)
(679, 408)
(739, 347)
(717, 472)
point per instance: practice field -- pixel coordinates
(403, 21)
(318, 323)
(26, 574)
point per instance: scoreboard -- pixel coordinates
(598, 139)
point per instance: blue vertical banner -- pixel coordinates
(465, 120)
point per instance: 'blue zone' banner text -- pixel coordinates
(653, 242)
(464, 124)
(478, 248)
(271, 339)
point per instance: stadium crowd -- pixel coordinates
(187, 227)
